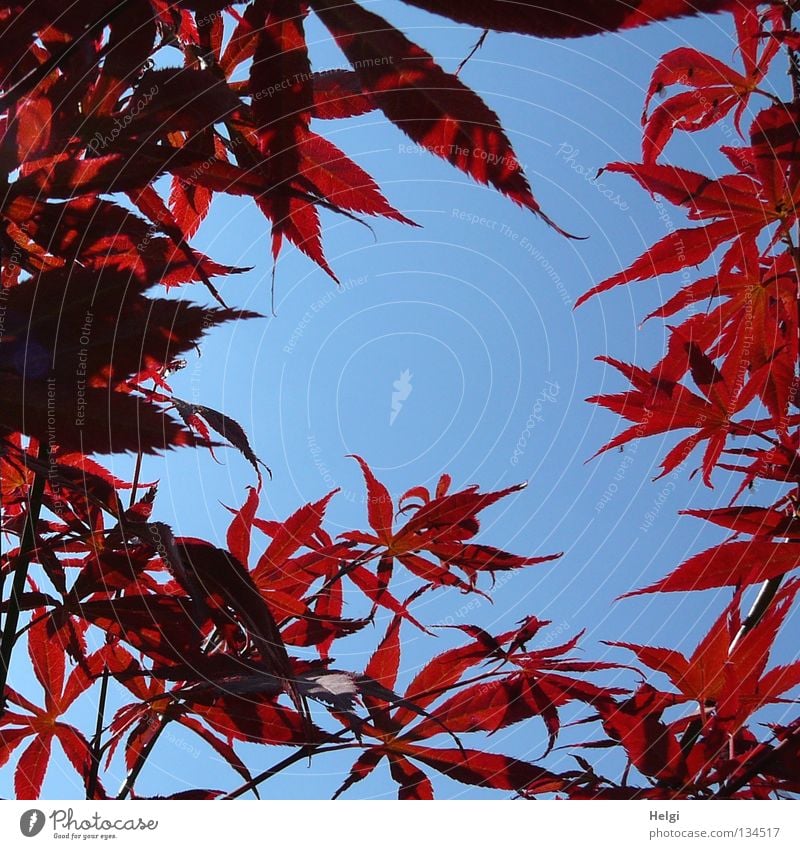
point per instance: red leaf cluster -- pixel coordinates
(728, 381)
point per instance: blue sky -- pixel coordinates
(476, 306)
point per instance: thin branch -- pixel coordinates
(475, 48)
(97, 748)
(794, 68)
(345, 570)
(136, 473)
(141, 760)
(760, 606)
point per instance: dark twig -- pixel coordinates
(141, 760)
(302, 753)
(475, 48)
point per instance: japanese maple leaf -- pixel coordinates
(565, 19)
(658, 403)
(539, 687)
(441, 527)
(780, 520)
(725, 671)
(700, 677)
(132, 35)
(144, 719)
(16, 475)
(650, 744)
(775, 146)
(300, 170)
(254, 718)
(439, 676)
(732, 564)
(778, 463)
(338, 93)
(753, 329)
(190, 203)
(284, 577)
(281, 573)
(777, 763)
(735, 207)
(66, 350)
(282, 116)
(41, 726)
(430, 105)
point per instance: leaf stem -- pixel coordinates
(361, 560)
(97, 749)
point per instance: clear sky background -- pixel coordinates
(477, 304)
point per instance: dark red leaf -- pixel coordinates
(434, 108)
(338, 94)
(564, 19)
(484, 769)
(729, 565)
(651, 746)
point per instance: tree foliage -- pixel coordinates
(94, 124)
